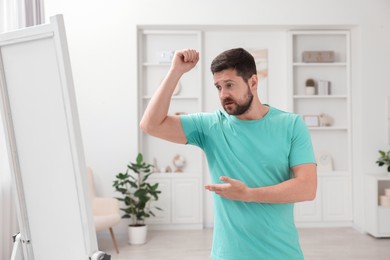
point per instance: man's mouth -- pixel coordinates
(228, 102)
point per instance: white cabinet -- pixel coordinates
(337, 198)
(333, 203)
(327, 114)
(180, 199)
(181, 192)
(186, 200)
(377, 216)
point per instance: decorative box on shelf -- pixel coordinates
(318, 56)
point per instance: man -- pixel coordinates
(260, 158)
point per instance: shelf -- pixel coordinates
(162, 64)
(152, 71)
(380, 176)
(153, 64)
(327, 128)
(315, 64)
(178, 189)
(170, 32)
(333, 173)
(320, 97)
(176, 98)
(334, 193)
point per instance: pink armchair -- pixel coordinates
(106, 211)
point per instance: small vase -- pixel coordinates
(310, 90)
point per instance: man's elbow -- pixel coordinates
(310, 187)
(310, 194)
(149, 128)
(145, 126)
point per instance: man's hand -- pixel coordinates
(232, 189)
(184, 60)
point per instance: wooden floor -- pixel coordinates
(317, 244)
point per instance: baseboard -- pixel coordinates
(323, 224)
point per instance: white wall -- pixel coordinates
(102, 42)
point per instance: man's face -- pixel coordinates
(234, 93)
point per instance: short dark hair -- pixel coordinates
(237, 59)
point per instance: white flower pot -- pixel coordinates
(310, 90)
(137, 234)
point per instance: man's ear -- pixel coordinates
(253, 81)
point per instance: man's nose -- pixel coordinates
(223, 94)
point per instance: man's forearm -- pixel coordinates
(290, 191)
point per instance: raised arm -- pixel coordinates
(156, 120)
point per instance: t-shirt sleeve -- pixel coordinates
(193, 127)
(301, 146)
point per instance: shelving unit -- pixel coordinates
(377, 216)
(333, 204)
(181, 198)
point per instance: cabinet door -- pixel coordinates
(383, 221)
(186, 201)
(164, 202)
(309, 211)
(337, 199)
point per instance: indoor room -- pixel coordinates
(325, 62)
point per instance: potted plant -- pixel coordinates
(137, 196)
(384, 159)
(310, 87)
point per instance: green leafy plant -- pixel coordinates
(137, 192)
(384, 159)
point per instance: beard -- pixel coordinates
(235, 108)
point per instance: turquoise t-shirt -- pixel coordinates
(258, 153)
